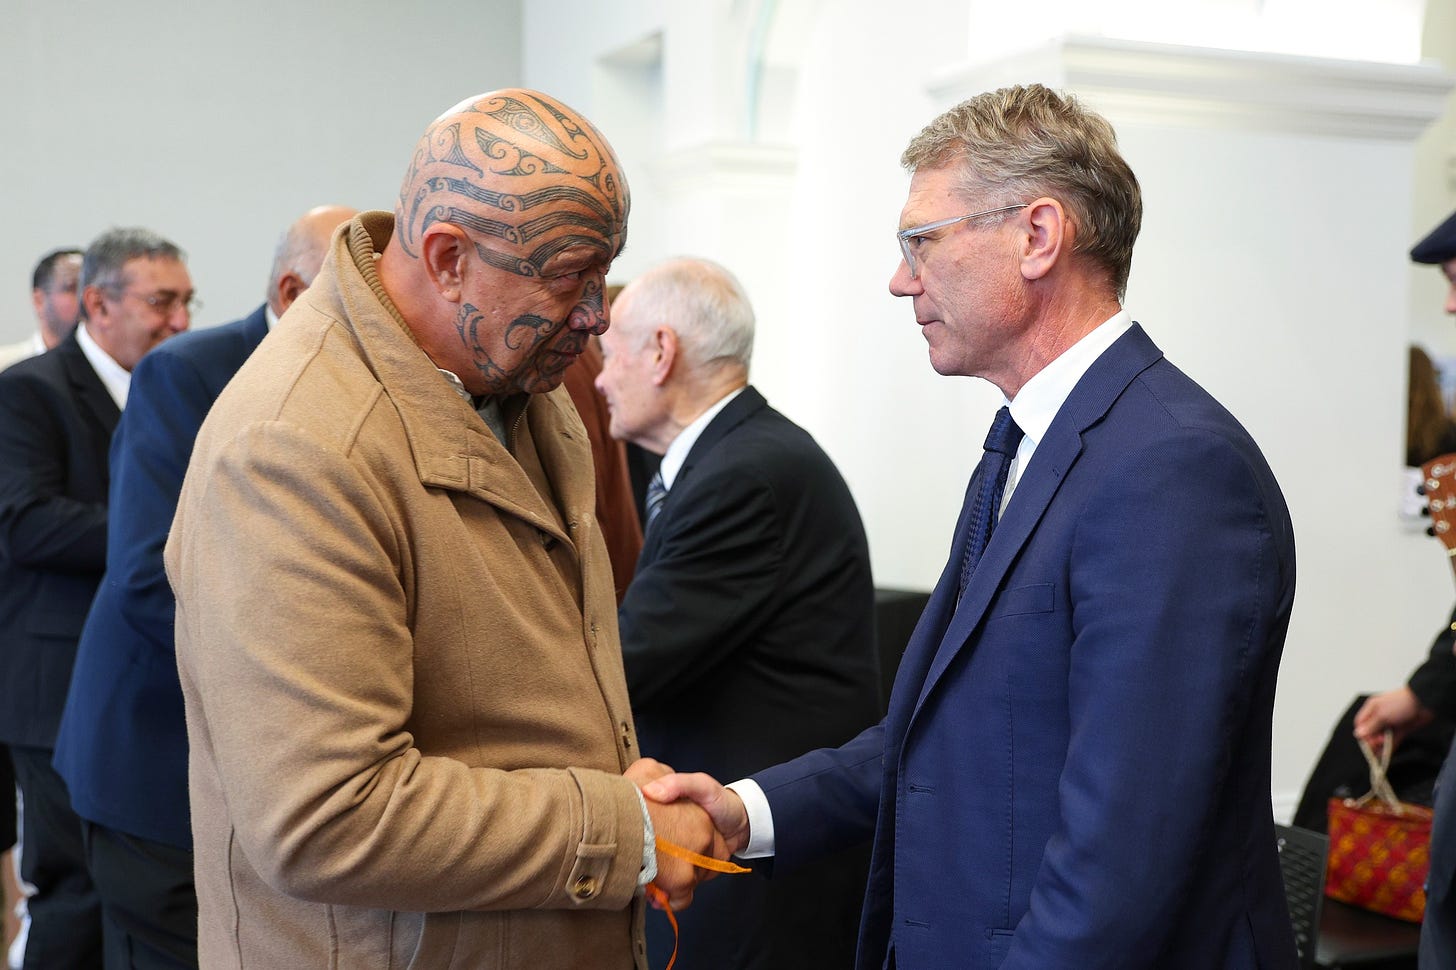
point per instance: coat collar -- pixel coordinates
(452, 447)
(1055, 455)
(734, 413)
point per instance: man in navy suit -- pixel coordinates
(748, 628)
(1074, 770)
(122, 745)
(57, 414)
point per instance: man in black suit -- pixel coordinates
(122, 745)
(57, 414)
(747, 630)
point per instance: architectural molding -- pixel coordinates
(725, 166)
(1164, 84)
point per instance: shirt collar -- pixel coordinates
(1040, 398)
(270, 317)
(677, 452)
(116, 377)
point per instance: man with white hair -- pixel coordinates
(748, 628)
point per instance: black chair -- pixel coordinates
(1332, 935)
(1302, 861)
(896, 613)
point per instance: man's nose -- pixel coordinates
(902, 283)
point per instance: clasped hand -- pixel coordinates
(692, 811)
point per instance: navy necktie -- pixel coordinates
(656, 495)
(1001, 444)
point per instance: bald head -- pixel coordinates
(301, 252)
(510, 214)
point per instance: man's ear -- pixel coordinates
(443, 251)
(1048, 231)
(290, 287)
(91, 299)
(665, 354)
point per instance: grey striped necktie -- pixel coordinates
(656, 495)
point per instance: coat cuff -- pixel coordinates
(609, 850)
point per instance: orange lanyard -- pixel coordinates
(658, 896)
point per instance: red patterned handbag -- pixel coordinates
(1379, 847)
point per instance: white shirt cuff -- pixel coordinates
(760, 820)
(648, 871)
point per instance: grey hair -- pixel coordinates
(104, 260)
(704, 304)
(1024, 142)
(298, 251)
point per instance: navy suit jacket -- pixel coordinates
(748, 638)
(56, 420)
(1074, 770)
(122, 747)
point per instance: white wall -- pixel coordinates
(218, 123)
(1435, 192)
(1271, 267)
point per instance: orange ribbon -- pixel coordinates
(659, 896)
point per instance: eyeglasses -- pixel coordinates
(166, 302)
(915, 232)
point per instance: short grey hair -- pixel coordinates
(298, 251)
(704, 304)
(1024, 142)
(104, 260)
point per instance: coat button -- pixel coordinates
(585, 888)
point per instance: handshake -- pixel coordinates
(694, 812)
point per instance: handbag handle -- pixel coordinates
(1379, 784)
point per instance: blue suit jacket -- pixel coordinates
(56, 421)
(1074, 770)
(122, 747)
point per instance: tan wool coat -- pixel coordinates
(398, 649)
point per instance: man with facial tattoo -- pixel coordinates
(410, 737)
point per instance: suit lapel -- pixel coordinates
(929, 630)
(93, 399)
(1055, 455)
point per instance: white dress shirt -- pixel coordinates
(116, 377)
(677, 452)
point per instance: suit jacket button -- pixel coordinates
(585, 888)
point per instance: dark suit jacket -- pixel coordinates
(748, 637)
(1074, 770)
(56, 420)
(123, 742)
